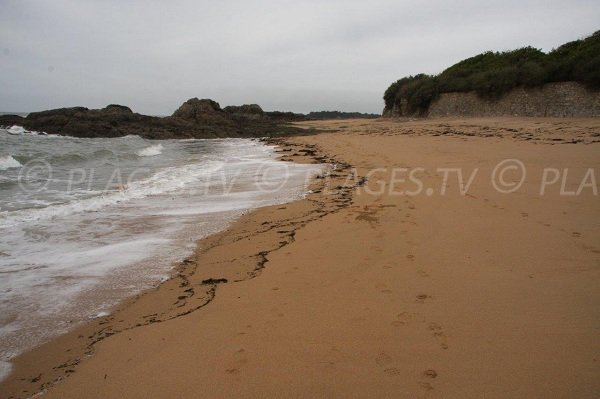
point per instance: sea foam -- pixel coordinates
(150, 151)
(8, 162)
(71, 251)
(5, 369)
(165, 181)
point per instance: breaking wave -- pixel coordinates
(8, 162)
(150, 151)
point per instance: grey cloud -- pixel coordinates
(286, 55)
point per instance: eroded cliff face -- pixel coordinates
(553, 99)
(562, 99)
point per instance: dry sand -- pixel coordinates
(354, 292)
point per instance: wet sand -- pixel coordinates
(374, 285)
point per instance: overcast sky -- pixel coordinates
(284, 55)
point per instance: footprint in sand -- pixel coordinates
(383, 359)
(392, 371)
(437, 332)
(422, 297)
(403, 319)
(426, 386)
(436, 329)
(237, 364)
(430, 373)
(422, 273)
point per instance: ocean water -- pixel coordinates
(85, 223)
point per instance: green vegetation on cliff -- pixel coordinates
(492, 74)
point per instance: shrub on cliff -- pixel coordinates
(391, 95)
(416, 91)
(578, 60)
(419, 94)
(492, 74)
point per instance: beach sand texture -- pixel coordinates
(359, 292)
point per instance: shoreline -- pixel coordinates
(136, 231)
(369, 293)
(45, 365)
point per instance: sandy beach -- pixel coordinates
(441, 258)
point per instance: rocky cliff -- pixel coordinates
(561, 99)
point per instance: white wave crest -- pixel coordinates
(150, 151)
(5, 368)
(165, 181)
(8, 162)
(17, 130)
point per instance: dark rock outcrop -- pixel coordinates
(195, 109)
(115, 108)
(10, 120)
(112, 121)
(193, 119)
(205, 117)
(249, 111)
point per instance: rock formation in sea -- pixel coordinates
(195, 118)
